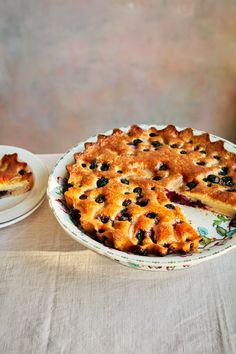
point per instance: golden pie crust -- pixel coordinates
(15, 176)
(120, 187)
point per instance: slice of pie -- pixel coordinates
(124, 185)
(15, 176)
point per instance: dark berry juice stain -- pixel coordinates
(183, 200)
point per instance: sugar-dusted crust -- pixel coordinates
(15, 176)
(155, 161)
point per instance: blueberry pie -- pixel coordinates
(122, 188)
(15, 176)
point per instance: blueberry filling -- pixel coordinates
(224, 171)
(217, 158)
(201, 163)
(83, 165)
(183, 152)
(173, 146)
(146, 150)
(227, 181)
(105, 166)
(119, 171)
(203, 152)
(156, 143)
(126, 202)
(101, 182)
(22, 172)
(153, 188)
(100, 199)
(192, 184)
(140, 236)
(124, 181)
(183, 200)
(83, 196)
(152, 134)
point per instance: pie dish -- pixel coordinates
(123, 196)
(15, 176)
(216, 231)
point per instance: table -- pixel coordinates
(56, 296)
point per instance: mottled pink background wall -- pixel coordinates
(70, 69)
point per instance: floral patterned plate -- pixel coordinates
(218, 233)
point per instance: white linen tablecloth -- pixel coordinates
(58, 297)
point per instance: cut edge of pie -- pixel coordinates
(168, 165)
(15, 176)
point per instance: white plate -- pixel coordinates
(217, 238)
(13, 208)
(15, 220)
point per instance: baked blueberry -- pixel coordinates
(101, 231)
(93, 165)
(156, 143)
(124, 181)
(101, 182)
(126, 202)
(83, 196)
(183, 152)
(142, 202)
(224, 171)
(170, 206)
(100, 199)
(151, 215)
(152, 134)
(136, 142)
(137, 190)
(124, 215)
(201, 163)
(152, 235)
(104, 219)
(105, 166)
(174, 146)
(140, 236)
(156, 178)
(192, 184)
(163, 167)
(233, 190)
(83, 164)
(227, 181)
(213, 179)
